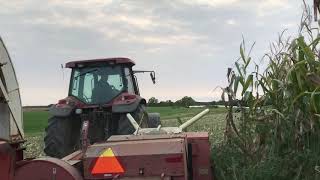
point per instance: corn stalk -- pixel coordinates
(280, 106)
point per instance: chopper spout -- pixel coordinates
(194, 119)
(133, 122)
(11, 119)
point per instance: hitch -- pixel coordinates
(84, 135)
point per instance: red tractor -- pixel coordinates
(101, 130)
(103, 91)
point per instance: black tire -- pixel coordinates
(140, 115)
(154, 120)
(62, 136)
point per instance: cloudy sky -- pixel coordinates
(189, 43)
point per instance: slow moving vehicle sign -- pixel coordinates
(107, 163)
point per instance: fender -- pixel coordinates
(127, 103)
(65, 111)
(64, 108)
(122, 104)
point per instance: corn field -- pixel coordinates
(276, 135)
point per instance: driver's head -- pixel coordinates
(103, 75)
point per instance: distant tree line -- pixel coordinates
(186, 101)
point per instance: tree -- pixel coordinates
(169, 103)
(153, 101)
(186, 101)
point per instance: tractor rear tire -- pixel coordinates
(140, 115)
(62, 136)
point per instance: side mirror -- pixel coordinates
(153, 77)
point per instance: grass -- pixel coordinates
(36, 121)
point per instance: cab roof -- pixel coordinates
(116, 60)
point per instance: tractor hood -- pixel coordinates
(11, 119)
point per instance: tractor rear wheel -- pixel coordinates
(62, 136)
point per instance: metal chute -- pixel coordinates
(11, 118)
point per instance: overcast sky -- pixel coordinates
(189, 43)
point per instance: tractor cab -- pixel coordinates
(101, 81)
(101, 93)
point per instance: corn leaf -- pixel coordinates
(277, 112)
(247, 63)
(238, 68)
(236, 84)
(242, 54)
(306, 49)
(249, 82)
(315, 43)
(297, 98)
(313, 100)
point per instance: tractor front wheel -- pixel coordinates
(144, 119)
(140, 115)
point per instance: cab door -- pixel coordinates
(132, 87)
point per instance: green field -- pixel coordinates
(36, 121)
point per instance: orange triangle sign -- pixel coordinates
(107, 163)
